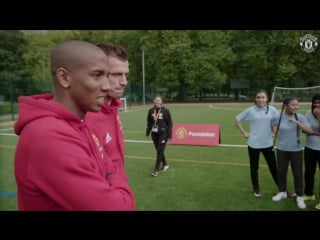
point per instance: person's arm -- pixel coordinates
(239, 126)
(303, 126)
(274, 131)
(72, 178)
(316, 133)
(316, 112)
(149, 123)
(169, 124)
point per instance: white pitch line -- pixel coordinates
(7, 134)
(6, 129)
(141, 141)
(224, 108)
(138, 141)
(220, 145)
(134, 110)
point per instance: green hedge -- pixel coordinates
(6, 108)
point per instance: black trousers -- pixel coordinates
(295, 159)
(160, 141)
(311, 158)
(270, 157)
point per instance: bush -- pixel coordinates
(6, 108)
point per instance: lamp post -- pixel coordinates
(143, 80)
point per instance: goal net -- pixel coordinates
(123, 105)
(302, 94)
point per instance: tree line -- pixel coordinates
(183, 64)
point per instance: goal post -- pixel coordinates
(302, 94)
(123, 104)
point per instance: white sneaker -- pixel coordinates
(154, 174)
(257, 194)
(309, 198)
(165, 168)
(300, 203)
(279, 196)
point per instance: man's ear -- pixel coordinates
(63, 77)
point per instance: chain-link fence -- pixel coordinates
(11, 88)
(135, 94)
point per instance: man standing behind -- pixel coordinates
(107, 122)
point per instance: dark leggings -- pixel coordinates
(311, 158)
(295, 159)
(160, 142)
(269, 156)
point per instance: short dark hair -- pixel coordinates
(116, 50)
(315, 97)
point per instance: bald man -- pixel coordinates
(79, 69)
(59, 161)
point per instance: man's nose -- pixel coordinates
(124, 80)
(105, 84)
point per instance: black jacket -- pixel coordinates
(164, 120)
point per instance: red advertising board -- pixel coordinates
(196, 134)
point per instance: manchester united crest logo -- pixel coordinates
(181, 133)
(308, 43)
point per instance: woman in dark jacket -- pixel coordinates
(159, 123)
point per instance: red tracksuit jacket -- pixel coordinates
(60, 163)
